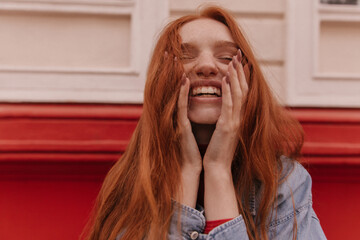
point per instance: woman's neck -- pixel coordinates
(203, 132)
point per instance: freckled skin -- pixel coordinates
(208, 60)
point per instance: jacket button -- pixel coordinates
(194, 235)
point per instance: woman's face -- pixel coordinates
(207, 49)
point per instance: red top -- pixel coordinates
(210, 225)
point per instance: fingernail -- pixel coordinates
(175, 58)
(183, 79)
(166, 54)
(239, 55)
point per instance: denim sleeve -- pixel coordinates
(294, 206)
(191, 224)
(185, 222)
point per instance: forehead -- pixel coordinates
(205, 29)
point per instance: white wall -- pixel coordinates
(98, 50)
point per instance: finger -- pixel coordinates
(234, 81)
(236, 92)
(241, 74)
(247, 69)
(183, 99)
(239, 96)
(227, 104)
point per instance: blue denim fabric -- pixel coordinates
(295, 185)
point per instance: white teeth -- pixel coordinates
(206, 90)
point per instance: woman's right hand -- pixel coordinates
(191, 158)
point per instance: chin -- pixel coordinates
(204, 116)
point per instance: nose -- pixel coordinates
(206, 65)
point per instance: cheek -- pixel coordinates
(187, 67)
(223, 68)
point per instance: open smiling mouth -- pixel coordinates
(205, 91)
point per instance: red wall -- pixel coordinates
(53, 158)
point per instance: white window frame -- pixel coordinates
(118, 85)
(306, 86)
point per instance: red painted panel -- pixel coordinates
(336, 196)
(65, 135)
(48, 200)
(48, 209)
(70, 111)
(326, 115)
(53, 158)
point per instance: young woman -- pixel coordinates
(213, 155)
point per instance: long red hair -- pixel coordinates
(136, 197)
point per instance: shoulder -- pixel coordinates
(294, 189)
(293, 173)
(293, 212)
(294, 181)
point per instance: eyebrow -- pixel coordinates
(189, 46)
(226, 44)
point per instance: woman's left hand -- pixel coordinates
(220, 199)
(223, 143)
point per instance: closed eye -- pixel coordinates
(187, 57)
(225, 59)
(188, 51)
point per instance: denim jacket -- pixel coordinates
(296, 188)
